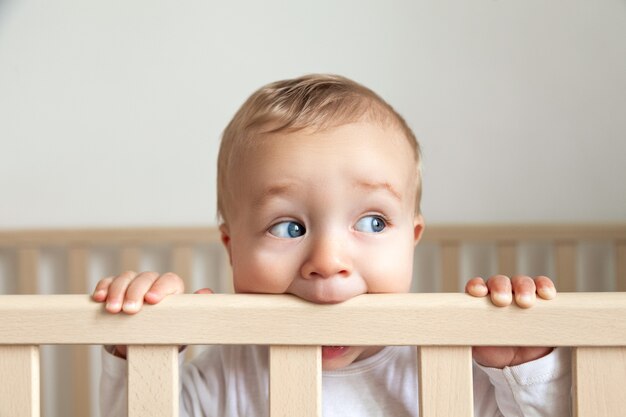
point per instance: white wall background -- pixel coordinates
(111, 111)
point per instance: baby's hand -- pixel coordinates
(503, 291)
(128, 291)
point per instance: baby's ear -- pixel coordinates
(225, 238)
(418, 228)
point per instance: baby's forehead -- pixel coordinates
(371, 134)
(362, 151)
(384, 160)
(369, 142)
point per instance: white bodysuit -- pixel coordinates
(232, 381)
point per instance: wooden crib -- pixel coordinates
(443, 325)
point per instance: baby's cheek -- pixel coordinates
(388, 277)
(388, 267)
(261, 274)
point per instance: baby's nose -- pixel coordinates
(327, 258)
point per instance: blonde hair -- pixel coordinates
(317, 101)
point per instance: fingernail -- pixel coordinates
(151, 296)
(524, 299)
(503, 297)
(130, 305)
(113, 305)
(98, 293)
(546, 293)
(479, 288)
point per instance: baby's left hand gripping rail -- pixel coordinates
(444, 325)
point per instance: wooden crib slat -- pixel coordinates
(152, 381)
(78, 267)
(620, 270)
(565, 263)
(28, 271)
(445, 381)
(130, 258)
(450, 266)
(295, 381)
(599, 378)
(507, 258)
(19, 381)
(182, 263)
(78, 264)
(225, 274)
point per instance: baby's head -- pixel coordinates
(318, 193)
(312, 102)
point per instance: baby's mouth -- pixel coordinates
(331, 352)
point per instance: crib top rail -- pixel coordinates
(108, 236)
(572, 319)
(207, 234)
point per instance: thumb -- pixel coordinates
(204, 291)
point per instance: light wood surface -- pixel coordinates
(19, 381)
(593, 320)
(182, 263)
(225, 272)
(450, 266)
(445, 381)
(524, 232)
(599, 378)
(572, 319)
(78, 264)
(28, 271)
(444, 325)
(207, 234)
(565, 265)
(130, 258)
(115, 236)
(620, 268)
(507, 258)
(295, 381)
(153, 381)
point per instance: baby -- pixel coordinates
(319, 196)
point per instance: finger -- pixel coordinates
(204, 291)
(102, 289)
(117, 291)
(524, 290)
(137, 289)
(500, 290)
(545, 287)
(476, 287)
(167, 284)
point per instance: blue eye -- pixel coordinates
(288, 229)
(370, 224)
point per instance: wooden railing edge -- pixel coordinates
(572, 319)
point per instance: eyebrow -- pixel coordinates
(289, 188)
(273, 190)
(374, 186)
